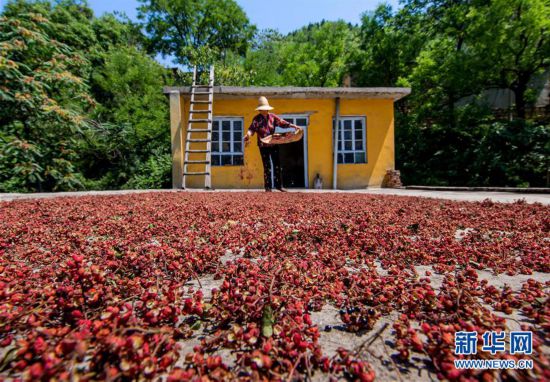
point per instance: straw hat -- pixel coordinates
(263, 104)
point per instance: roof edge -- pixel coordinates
(394, 93)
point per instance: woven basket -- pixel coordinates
(280, 139)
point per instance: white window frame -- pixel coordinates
(232, 152)
(341, 140)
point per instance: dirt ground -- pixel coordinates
(377, 345)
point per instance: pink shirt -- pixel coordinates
(265, 126)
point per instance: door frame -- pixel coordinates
(306, 167)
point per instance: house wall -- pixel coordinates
(380, 142)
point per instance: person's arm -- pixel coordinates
(278, 121)
(250, 132)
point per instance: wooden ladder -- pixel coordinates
(198, 127)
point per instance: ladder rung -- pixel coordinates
(200, 111)
(196, 151)
(202, 86)
(201, 93)
(196, 173)
(196, 161)
(200, 101)
(198, 140)
(200, 120)
(199, 131)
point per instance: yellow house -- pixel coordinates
(366, 135)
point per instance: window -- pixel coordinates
(296, 120)
(352, 145)
(227, 141)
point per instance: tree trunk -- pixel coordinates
(519, 93)
(451, 116)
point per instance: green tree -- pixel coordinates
(389, 45)
(514, 44)
(318, 55)
(43, 96)
(196, 31)
(447, 68)
(449, 52)
(131, 116)
(262, 59)
(73, 23)
(129, 85)
(232, 71)
(315, 55)
(111, 114)
(70, 20)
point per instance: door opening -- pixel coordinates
(292, 164)
(294, 155)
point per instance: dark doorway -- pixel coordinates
(292, 164)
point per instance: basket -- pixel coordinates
(281, 139)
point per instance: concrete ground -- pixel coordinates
(473, 196)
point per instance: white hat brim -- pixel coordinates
(264, 107)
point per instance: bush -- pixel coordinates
(154, 173)
(513, 153)
(486, 153)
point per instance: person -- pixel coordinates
(264, 125)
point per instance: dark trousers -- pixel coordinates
(273, 153)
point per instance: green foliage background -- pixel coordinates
(82, 106)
